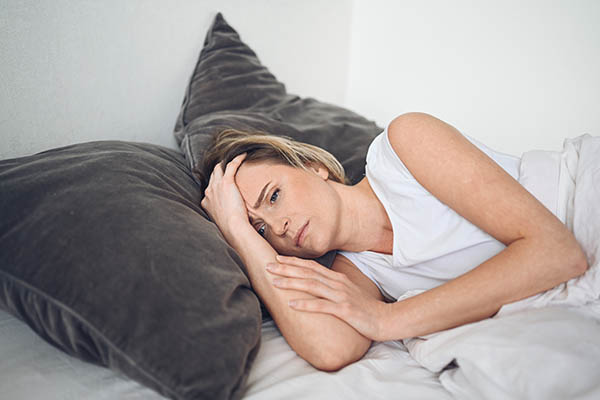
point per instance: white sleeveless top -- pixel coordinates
(432, 243)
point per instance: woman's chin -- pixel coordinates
(313, 253)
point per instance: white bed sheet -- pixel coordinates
(387, 371)
(30, 368)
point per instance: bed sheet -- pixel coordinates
(541, 353)
(30, 368)
(387, 371)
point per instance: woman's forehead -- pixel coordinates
(255, 170)
(251, 177)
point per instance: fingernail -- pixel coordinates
(292, 303)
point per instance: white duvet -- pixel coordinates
(546, 346)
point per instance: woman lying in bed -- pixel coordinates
(435, 211)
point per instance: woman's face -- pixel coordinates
(293, 209)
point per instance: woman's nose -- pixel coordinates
(280, 227)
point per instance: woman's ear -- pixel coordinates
(320, 170)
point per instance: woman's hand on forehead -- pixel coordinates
(222, 199)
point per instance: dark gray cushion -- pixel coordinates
(105, 253)
(230, 88)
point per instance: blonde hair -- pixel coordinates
(261, 146)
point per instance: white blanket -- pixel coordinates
(546, 346)
(538, 353)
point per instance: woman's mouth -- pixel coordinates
(301, 235)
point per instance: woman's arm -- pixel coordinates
(540, 252)
(325, 341)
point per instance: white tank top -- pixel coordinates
(432, 243)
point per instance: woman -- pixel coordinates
(434, 211)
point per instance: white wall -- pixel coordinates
(75, 70)
(515, 74)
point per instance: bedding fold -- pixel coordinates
(546, 346)
(576, 197)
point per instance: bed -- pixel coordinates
(31, 368)
(89, 281)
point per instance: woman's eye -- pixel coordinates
(261, 230)
(274, 196)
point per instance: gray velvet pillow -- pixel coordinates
(230, 88)
(106, 254)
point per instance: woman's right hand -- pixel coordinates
(222, 199)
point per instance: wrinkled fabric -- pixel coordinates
(578, 205)
(546, 346)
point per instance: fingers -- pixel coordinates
(307, 280)
(318, 305)
(215, 175)
(221, 171)
(217, 172)
(301, 262)
(213, 183)
(298, 277)
(313, 266)
(310, 286)
(293, 271)
(233, 166)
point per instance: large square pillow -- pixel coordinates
(106, 254)
(230, 88)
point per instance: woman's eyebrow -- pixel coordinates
(261, 195)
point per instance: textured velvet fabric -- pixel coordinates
(230, 88)
(106, 254)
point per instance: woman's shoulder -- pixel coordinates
(411, 134)
(408, 134)
(383, 161)
(422, 141)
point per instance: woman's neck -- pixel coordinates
(364, 223)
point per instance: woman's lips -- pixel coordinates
(301, 234)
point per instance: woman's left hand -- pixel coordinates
(337, 295)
